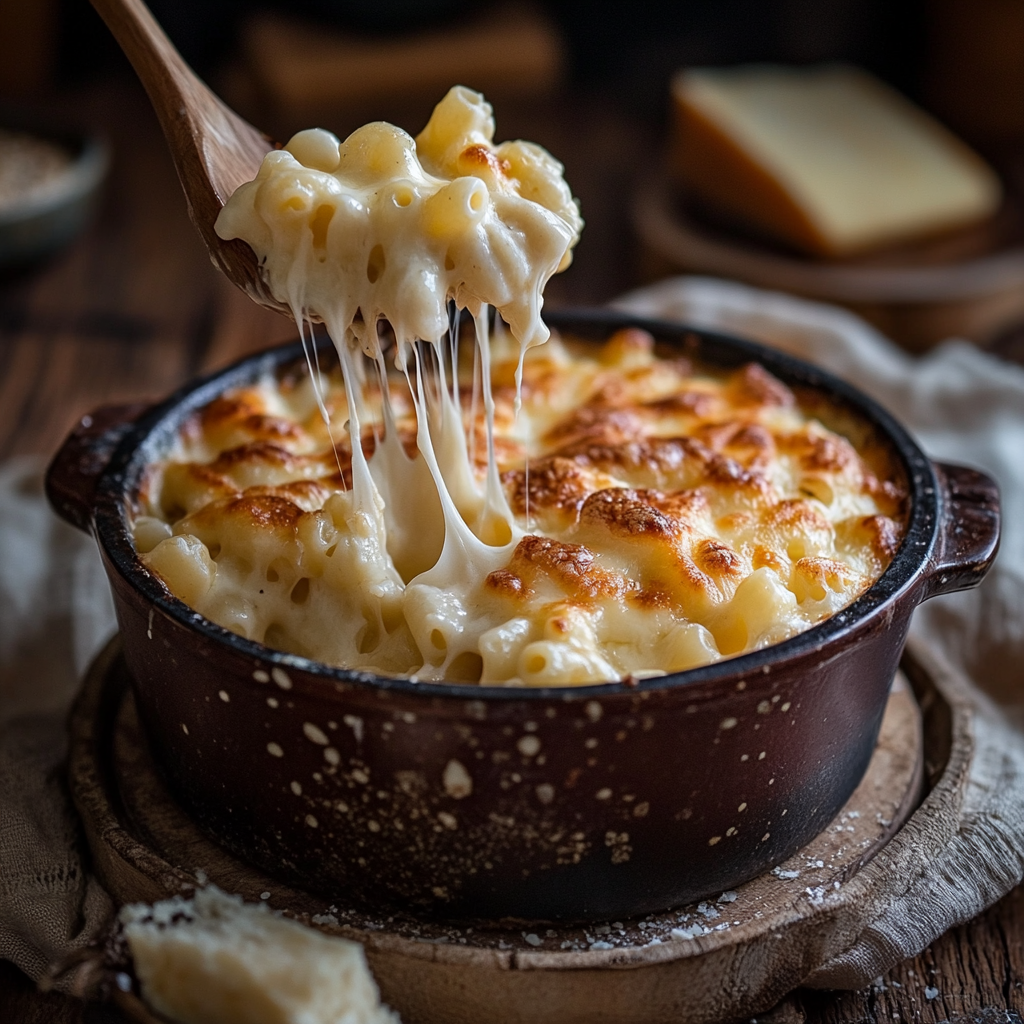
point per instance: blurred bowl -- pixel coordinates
(49, 219)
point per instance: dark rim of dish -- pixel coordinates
(151, 435)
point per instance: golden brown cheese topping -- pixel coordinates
(663, 517)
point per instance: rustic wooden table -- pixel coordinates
(135, 308)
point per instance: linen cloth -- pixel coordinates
(55, 614)
(965, 406)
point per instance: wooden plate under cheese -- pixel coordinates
(968, 284)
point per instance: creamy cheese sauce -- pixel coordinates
(663, 517)
(384, 227)
(535, 517)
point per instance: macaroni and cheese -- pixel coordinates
(663, 518)
(548, 515)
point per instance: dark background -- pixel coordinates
(601, 105)
(961, 59)
(629, 48)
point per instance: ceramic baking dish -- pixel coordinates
(592, 802)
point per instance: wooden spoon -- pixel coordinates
(214, 149)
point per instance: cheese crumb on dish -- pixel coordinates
(664, 516)
(828, 159)
(217, 960)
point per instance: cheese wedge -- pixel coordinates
(217, 960)
(827, 159)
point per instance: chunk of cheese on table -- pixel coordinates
(827, 159)
(217, 960)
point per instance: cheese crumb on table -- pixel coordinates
(828, 159)
(218, 960)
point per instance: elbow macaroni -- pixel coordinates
(558, 516)
(384, 226)
(669, 517)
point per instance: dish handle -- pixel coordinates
(72, 476)
(968, 530)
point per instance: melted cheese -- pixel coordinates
(387, 227)
(423, 523)
(663, 517)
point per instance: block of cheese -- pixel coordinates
(217, 960)
(827, 159)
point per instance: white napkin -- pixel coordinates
(963, 406)
(55, 606)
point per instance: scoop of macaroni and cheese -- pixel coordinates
(384, 226)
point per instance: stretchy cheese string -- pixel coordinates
(385, 227)
(420, 568)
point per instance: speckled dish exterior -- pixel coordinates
(581, 803)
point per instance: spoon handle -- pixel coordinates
(214, 149)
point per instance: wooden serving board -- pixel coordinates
(966, 285)
(725, 958)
